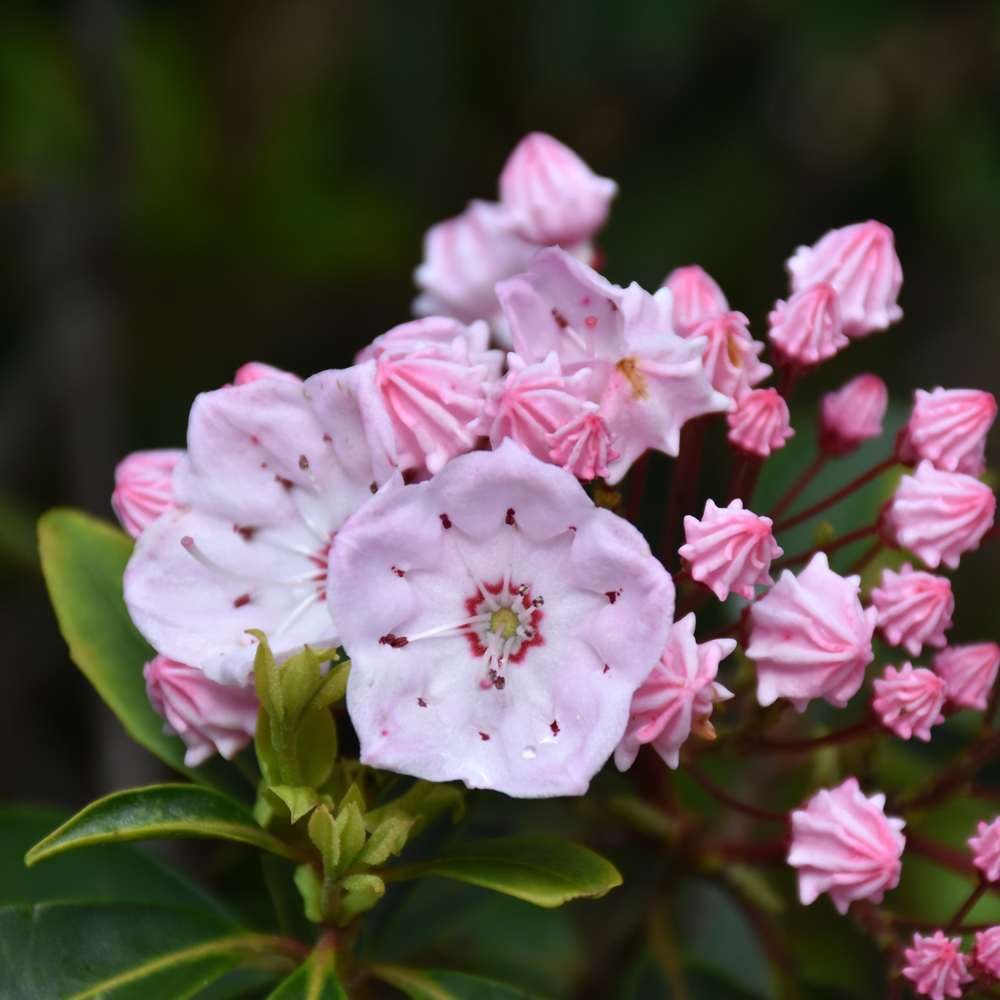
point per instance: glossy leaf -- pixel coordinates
(315, 979)
(445, 985)
(542, 870)
(155, 812)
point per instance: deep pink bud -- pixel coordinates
(986, 953)
(843, 844)
(948, 427)
(806, 329)
(860, 262)
(696, 297)
(254, 370)
(938, 515)
(937, 966)
(913, 608)
(142, 488)
(986, 848)
(852, 415)
(909, 701)
(551, 195)
(730, 356)
(969, 672)
(760, 424)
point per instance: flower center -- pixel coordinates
(505, 621)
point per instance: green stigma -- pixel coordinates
(504, 621)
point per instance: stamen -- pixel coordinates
(441, 629)
(189, 545)
(303, 606)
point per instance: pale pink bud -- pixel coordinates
(937, 966)
(986, 848)
(730, 356)
(909, 701)
(806, 329)
(860, 262)
(696, 297)
(430, 330)
(142, 488)
(254, 370)
(969, 671)
(729, 549)
(843, 844)
(760, 424)
(552, 196)
(986, 953)
(948, 427)
(852, 415)
(583, 446)
(207, 716)
(811, 638)
(913, 608)
(938, 515)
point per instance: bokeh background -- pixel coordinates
(186, 186)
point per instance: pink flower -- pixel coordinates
(647, 381)
(271, 473)
(730, 356)
(696, 297)
(843, 844)
(729, 549)
(937, 966)
(439, 330)
(806, 329)
(909, 701)
(498, 624)
(938, 515)
(142, 488)
(208, 717)
(760, 424)
(860, 262)
(948, 427)
(852, 415)
(676, 699)
(551, 195)
(986, 953)
(811, 638)
(583, 446)
(913, 608)
(986, 848)
(254, 370)
(969, 671)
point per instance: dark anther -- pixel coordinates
(561, 320)
(614, 308)
(606, 668)
(287, 483)
(326, 437)
(510, 515)
(390, 640)
(245, 533)
(538, 601)
(484, 736)
(612, 595)
(373, 486)
(445, 520)
(554, 726)
(398, 572)
(303, 462)
(421, 703)
(500, 683)
(241, 600)
(523, 590)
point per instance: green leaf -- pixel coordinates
(313, 980)
(324, 834)
(444, 984)
(333, 688)
(351, 828)
(388, 838)
(423, 802)
(363, 892)
(542, 870)
(158, 811)
(298, 799)
(83, 560)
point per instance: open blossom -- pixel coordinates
(949, 428)
(970, 672)
(986, 953)
(254, 370)
(811, 638)
(676, 699)
(986, 849)
(860, 262)
(696, 297)
(142, 488)
(760, 423)
(852, 415)
(498, 624)
(938, 515)
(844, 844)
(937, 966)
(271, 473)
(207, 716)
(647, 381)
(806, 329)
(551, 195)
(913, 608)
(729, 549)
(730, 357)
(909, 701)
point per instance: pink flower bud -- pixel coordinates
(913, 608)
(852, 415)
(843, 844)
(760, 424)
(207, 716)
(948, 427)
(254, 370)
(552, 196)
(969, 671)
(986, 848)
(696, 297)
(938, 515)
(811, 638)
(142, 488)
(429, 330)
(730, 356)
(909, 701)
(806, 329)
(937, 966)
(860, 262)
(729, 549)
(986, 953)
(583, 446)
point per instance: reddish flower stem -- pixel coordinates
(684, 487)
(764, 815)
(837, 543)
(744, 479)
(866, 727)
(866, 558)
(798, 486)
(966, 908)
